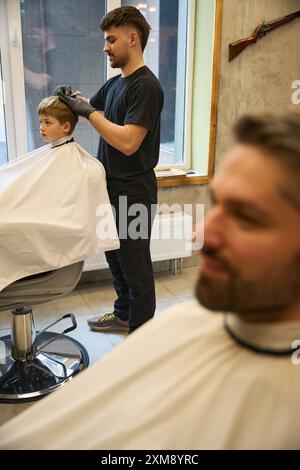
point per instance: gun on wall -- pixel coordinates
(235, 48)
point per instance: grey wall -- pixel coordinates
(258, 80)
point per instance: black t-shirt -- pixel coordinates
(135, 99)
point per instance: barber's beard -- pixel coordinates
(273, 292)
(118, 63)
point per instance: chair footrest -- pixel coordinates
(54, 366)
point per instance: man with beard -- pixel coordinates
(223, 374)
(128, 148)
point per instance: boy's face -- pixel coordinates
(51, 129)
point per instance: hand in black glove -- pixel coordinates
(63, 89)
(77, 105)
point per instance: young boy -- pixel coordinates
(54, 204)
(57, 121)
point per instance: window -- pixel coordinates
(60, 42)
(166, 57)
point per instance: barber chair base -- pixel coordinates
(54, 366)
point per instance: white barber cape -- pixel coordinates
(54, 210)
(179, 382)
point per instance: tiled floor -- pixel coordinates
(86, 302)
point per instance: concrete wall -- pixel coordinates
(260, 79)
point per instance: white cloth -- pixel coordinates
(48, 206)
(179, 382)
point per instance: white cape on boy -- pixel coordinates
(54, 210)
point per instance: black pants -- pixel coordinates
(134, 284)
(132, 272)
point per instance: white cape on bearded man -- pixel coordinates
(54, 211)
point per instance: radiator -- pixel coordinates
(171, 240)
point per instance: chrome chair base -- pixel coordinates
(54, 366)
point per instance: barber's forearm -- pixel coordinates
(115, 135)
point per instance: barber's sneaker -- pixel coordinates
(108, 322)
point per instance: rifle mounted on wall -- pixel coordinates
(235, 48)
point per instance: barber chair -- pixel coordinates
(33, 363)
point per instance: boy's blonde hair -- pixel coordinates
(53, 106)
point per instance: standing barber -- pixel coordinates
(129, 150)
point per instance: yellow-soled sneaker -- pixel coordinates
(108, 322)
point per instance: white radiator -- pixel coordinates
(171, 239)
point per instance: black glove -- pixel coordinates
(77, 105)
(63, 89)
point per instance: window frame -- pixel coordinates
(200, 178)
(13, 78)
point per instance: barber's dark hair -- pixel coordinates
(278, 136)
(127, 15)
